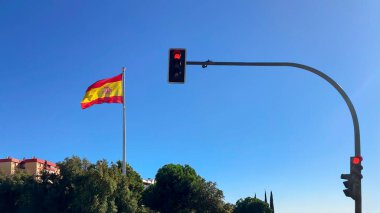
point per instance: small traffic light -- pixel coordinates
(348, 184)
(353, 183)
(177, 63)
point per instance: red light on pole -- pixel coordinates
(357, 160)
(177, 63)
(177, 55)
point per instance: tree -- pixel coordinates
(129, 190)
(80, 187)
(208, 197)
(271, 205)
(180, 189)
(251, 205)
(21, 192)
(265, 200)
(229, 208)
(101, 187)
(16, 193)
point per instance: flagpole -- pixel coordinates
(124, 135)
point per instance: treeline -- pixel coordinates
(101, 187)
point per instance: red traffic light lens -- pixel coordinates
(357, 160)
(177, 55)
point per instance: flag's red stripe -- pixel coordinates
(113, 99)
(105, 81)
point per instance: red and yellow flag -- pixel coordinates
(109, 90)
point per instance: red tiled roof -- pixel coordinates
(39, 161)
(9, 159)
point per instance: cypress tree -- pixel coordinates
(266, 197)
(271, 201)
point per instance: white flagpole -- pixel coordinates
(124, 135)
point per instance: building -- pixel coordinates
(32, 166)
(35, 166)
(8, 165)
(148, 182)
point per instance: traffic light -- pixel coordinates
(353, 180)
(177, 63)
(348, 184)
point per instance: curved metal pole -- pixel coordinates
(304, 67)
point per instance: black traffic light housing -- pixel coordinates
(349, 191)
(177, 64)
(353, 180)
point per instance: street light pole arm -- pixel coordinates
(304, 67)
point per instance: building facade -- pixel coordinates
(148, 182)
(32, 166)
(8, 165)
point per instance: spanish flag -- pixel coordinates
(109, 90)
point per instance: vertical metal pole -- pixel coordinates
(124, 135)
(358, 202)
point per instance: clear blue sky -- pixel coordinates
(248, 129)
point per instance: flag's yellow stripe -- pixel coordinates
(114, 88)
